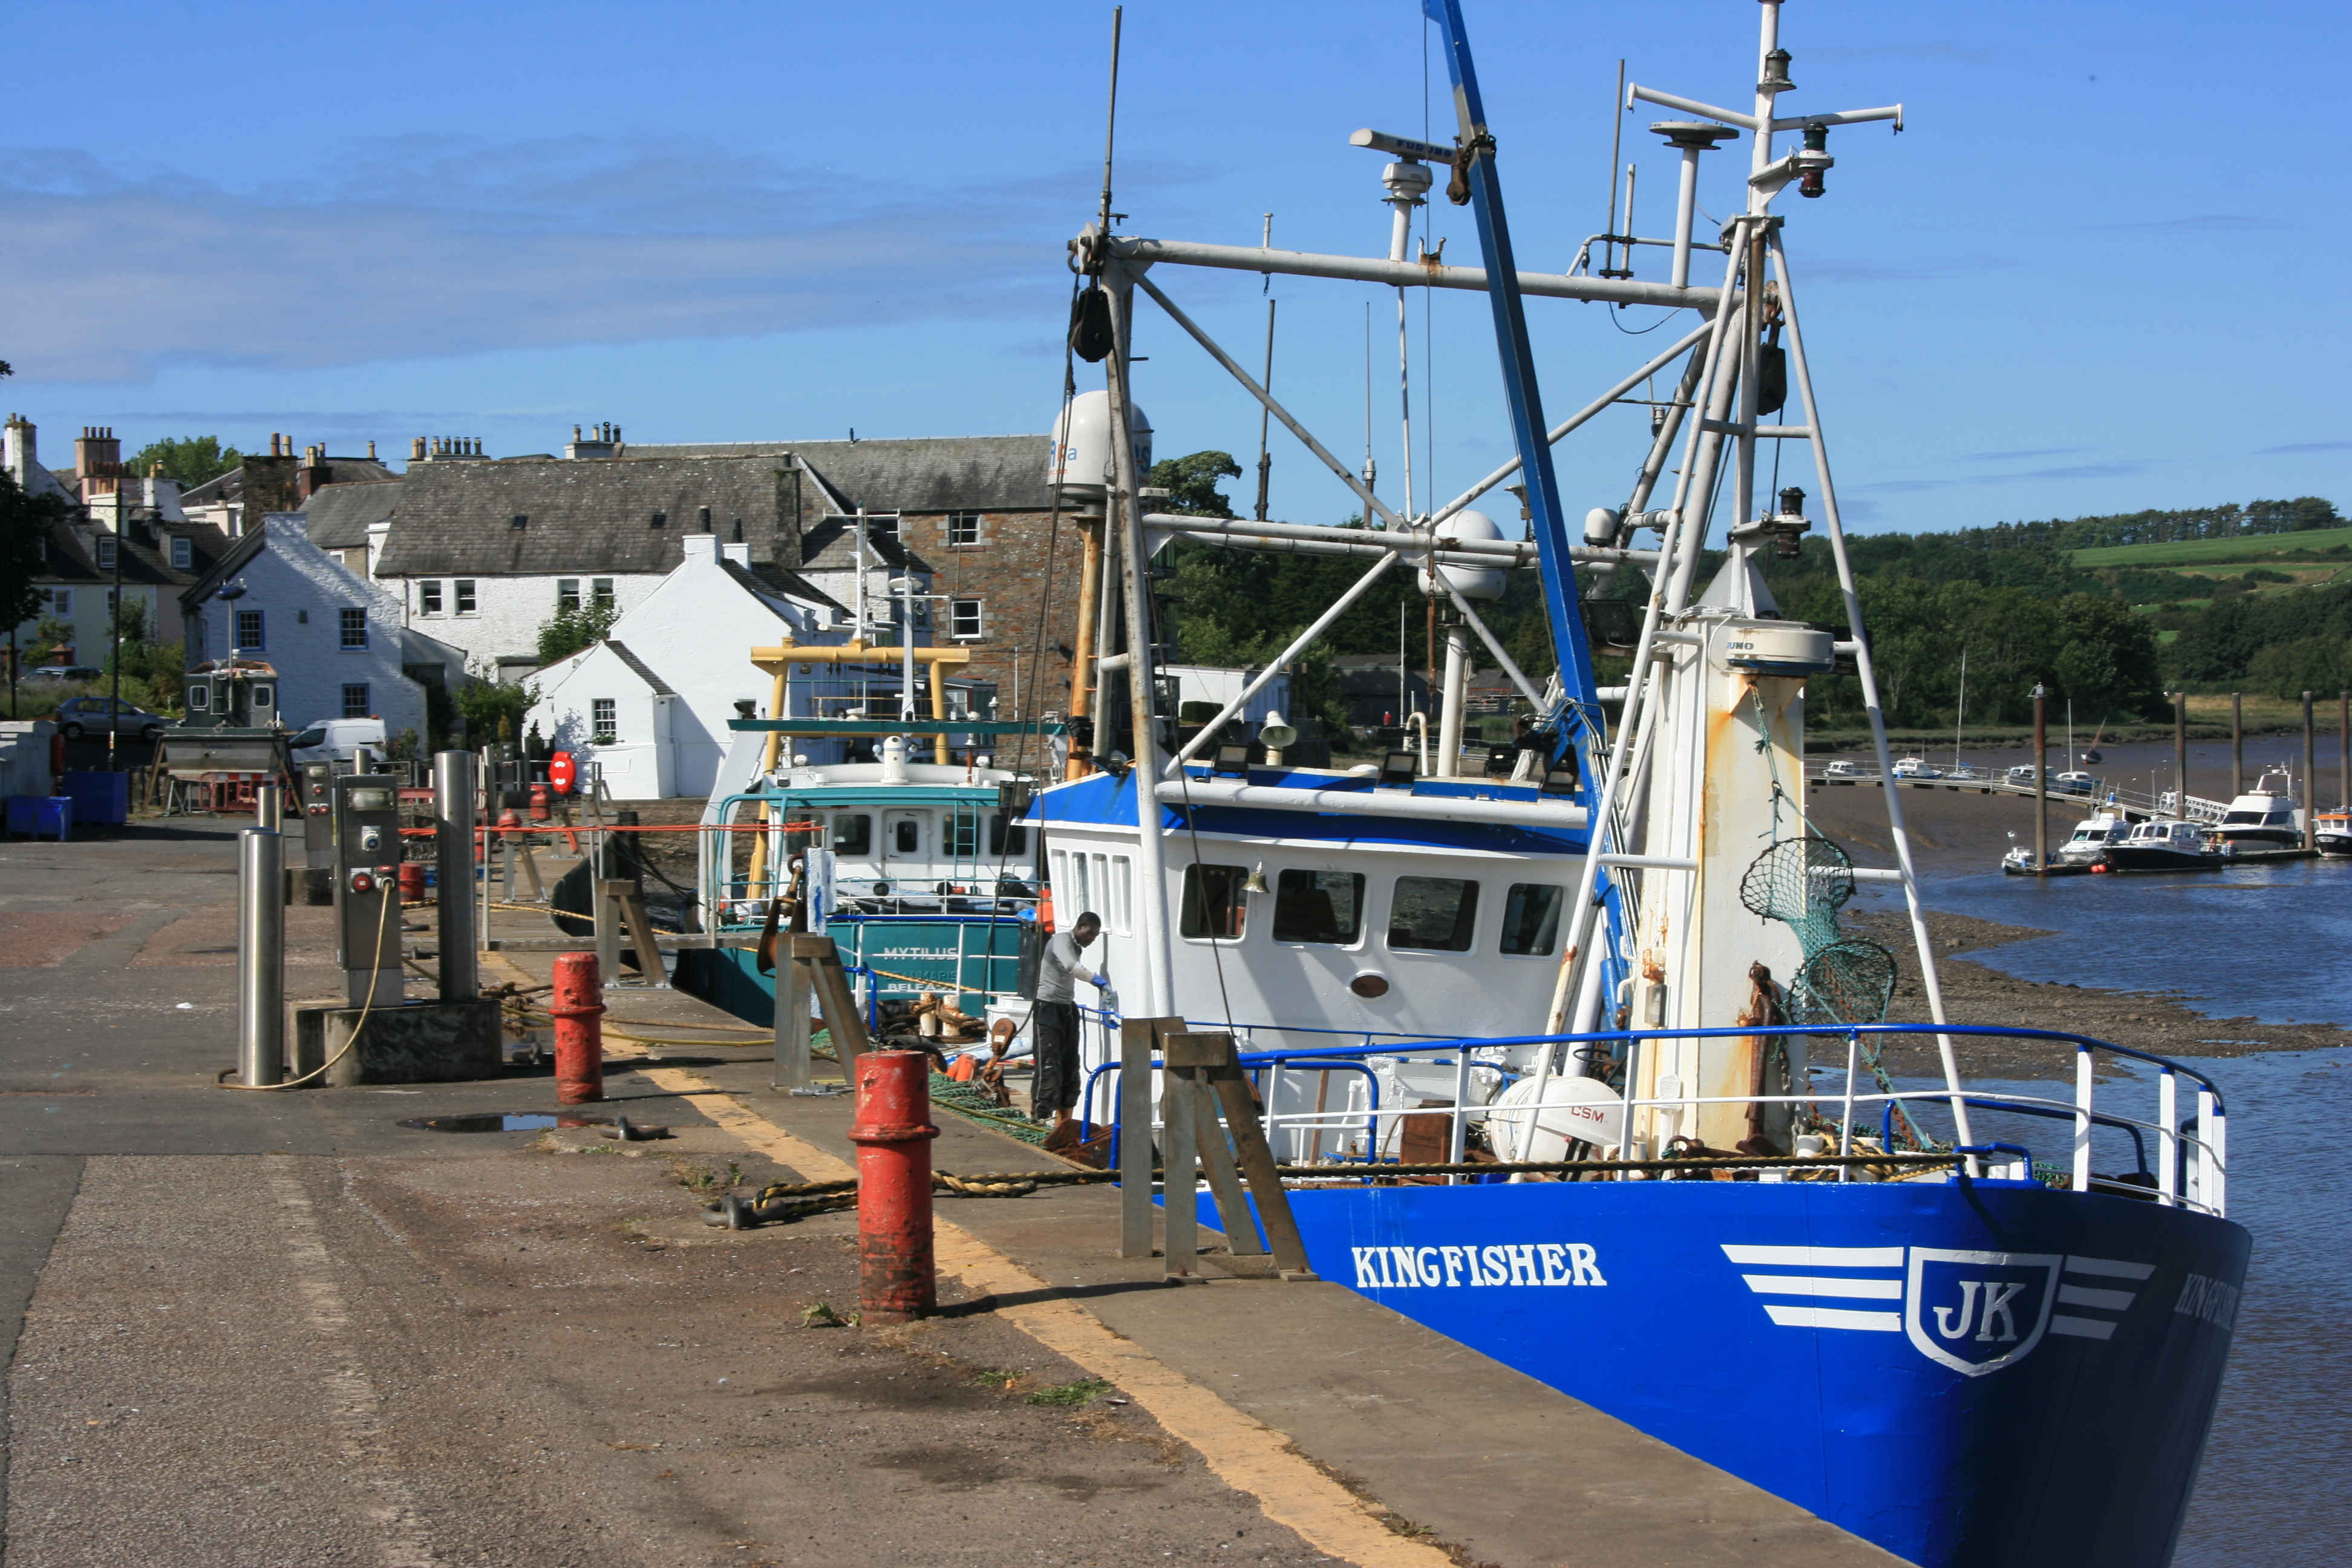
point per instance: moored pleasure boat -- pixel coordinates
(2166, 844)
(2267, 816)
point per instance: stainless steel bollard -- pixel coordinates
(270, 808)
(454, 777)
(260, 957)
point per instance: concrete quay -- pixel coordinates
(271, 1328)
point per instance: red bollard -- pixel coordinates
(411, 882)
(897, 1280)
(538, 812)
(577, 1004)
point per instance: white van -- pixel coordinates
(338, 739)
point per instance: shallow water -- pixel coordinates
(2265, 942)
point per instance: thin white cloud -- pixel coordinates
(427, 246)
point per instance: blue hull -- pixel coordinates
(1965, 1373)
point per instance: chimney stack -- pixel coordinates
(18, 449)
(98, 458)
(416, 450)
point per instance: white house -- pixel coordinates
(335, 639)
(651, 703)
(1214, 683)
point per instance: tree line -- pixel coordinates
(2008, 595)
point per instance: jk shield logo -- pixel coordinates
(1978, 1311)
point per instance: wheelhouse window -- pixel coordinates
(1213, 906)
(853, 834)
(1319, 906)
(604, 721)
(1007, 838)
(429, 596)
(906, 837)
(1531, 918)
(963, 835)
(352, 625)
(1434, 914)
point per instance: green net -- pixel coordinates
(1803, 882)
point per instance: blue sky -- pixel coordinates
(2099, 271)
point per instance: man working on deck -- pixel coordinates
(1057, 1031)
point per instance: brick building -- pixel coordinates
(975, 513)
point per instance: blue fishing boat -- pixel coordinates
(1973, 1323)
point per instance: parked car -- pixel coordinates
(338, 739)
(72, 674)
(1916, 768)
(80, 715)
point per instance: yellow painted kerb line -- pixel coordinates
(1244, 1452)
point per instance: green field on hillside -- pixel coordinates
(2253, 550)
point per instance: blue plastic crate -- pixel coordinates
(100, 799)
(41, 815)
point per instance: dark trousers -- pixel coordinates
(1056, 1031)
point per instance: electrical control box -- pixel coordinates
(366, 821)
(317, 793)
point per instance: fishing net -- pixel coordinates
(1803, 882)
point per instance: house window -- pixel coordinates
(465, 595)
(1214, 905)
(1435, 914)
(882, 528)
(429, 596)
(853, 834)
(600, 591)
(1531, 918)
(964, 619)
(61, 603)
(355, 702)
(604, 722)
(1318, 906)
(964, 528)
(352, 624)
(105, 555)
(567, 594)
(183, 552)
(659, 520)
(248, 630)
(521, 519)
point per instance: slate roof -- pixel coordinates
(947, 473)
(583, 515)
(230, 486)
(339, 515)
(660, 687)
(831, 545)
(774, 581)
